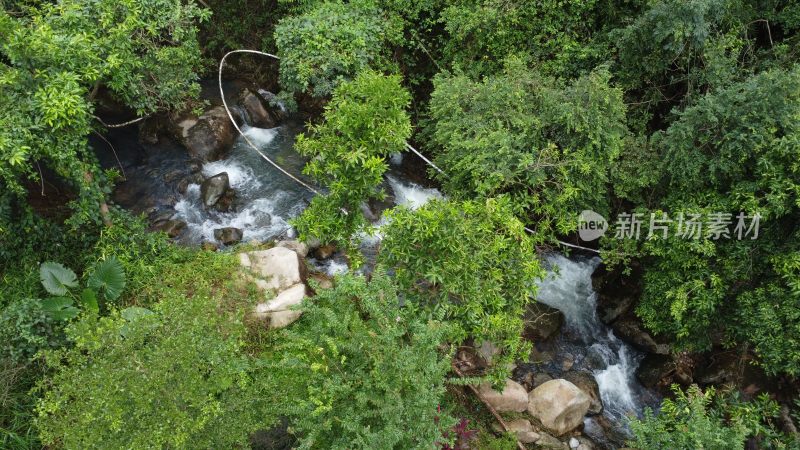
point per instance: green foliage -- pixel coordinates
(365, 121)
(706, 420)
(56, 278)
(482, 33)
(53, 59)
(361, 372)
(26, 328)
(107, 278)
(332, 43)
(734, 150)
(173, 377)
(470, 263)
(549, 145)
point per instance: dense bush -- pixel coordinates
(332, 43)
(365, 121)
(733, 151)
(707, 420)
(359, 371)
(55, 58)
(174, 376)
(470, 263)
(549, 145)
(25, 328)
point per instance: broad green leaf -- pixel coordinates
(60, 308)
(89, 300)
(56, 278)
(108, 278)
(131, 314)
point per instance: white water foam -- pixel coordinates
(410, 194)
(240, 176)
(260, 137)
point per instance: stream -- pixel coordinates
(266, 200)
(587, 345)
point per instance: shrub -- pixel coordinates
(359, 371)
(174, 376)
(25, 328)
(332, 43)
(549, 145)
(707, 420)
(470, 262)
(364, 123)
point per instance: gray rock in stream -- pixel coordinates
(211, 136)
(588, 385)
(631, 331)
(172, 227)
(228, 235)
(256, 111)
(214, 188)
(541, 321)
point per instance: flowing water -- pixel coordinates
(265, 198)
(590, 344)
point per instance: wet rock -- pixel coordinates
(567, 362)
(588, 385)
(323, 281)
(547, 441)
(274, 105)
(559, 405)
(610, 308)
(584, 443)
(523, 430)
(209, 246)
(631, 331)
(225, 203)
(172, 175)
(598, 357)
(721, 368)
(487, 351)
(325, 251)
(149, 130)
(256, 109)
(513, 397)
(158, 215)
(277, 268)
(209, 138)
(655, 368)
(540, 379)
(297, 246)
(541, 321)
(183, 186)
(195, 166)
(228, 235)
(469, 362)
(281, 311)
(172, 227)
(214, 188)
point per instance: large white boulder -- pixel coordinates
(279, 311)
(559, 405)
(513, 397)
(278, 268)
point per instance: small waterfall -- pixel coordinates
(568, 287)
